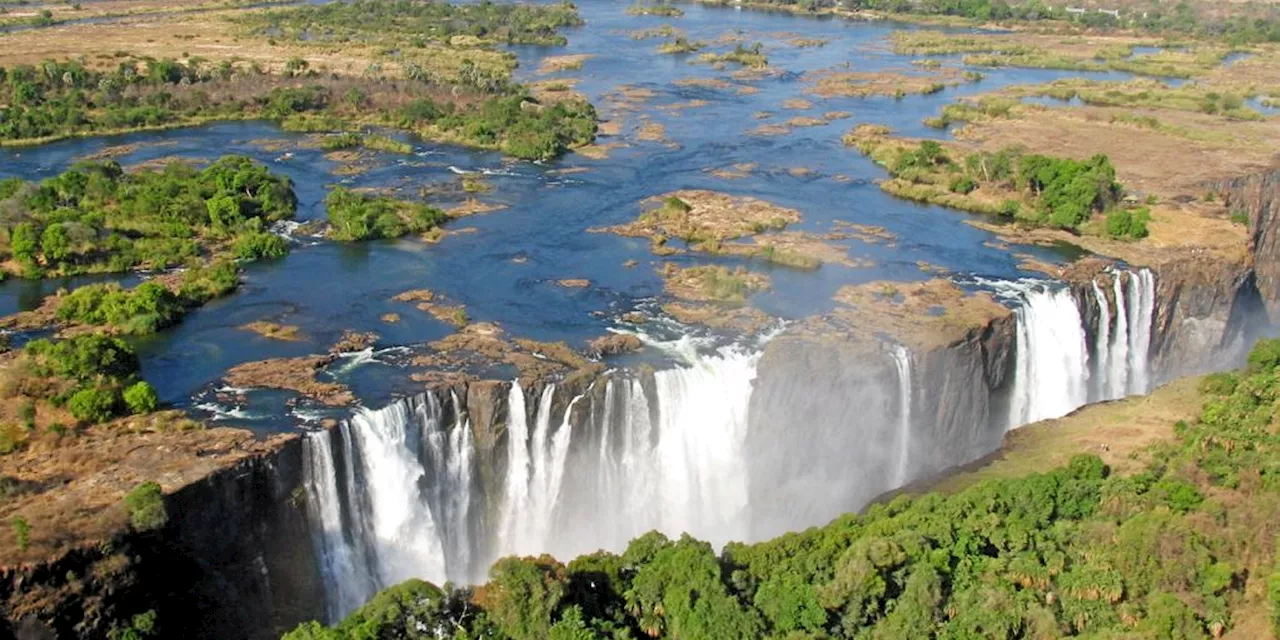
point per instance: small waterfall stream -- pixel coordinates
(396, 493)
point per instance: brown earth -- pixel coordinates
(292, 374)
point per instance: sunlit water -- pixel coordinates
(505, 271)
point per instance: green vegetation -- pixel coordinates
(86, 374)
(681, 44)
(146, 507)
(752, 57)
(1147, 95)
(41, 109)
(150, 306)
(417, 21)
(1036, 190)
(21, 532)
(650, 8)
(1244, 24)
(95, 217)
(356, 216)
(1165, 552)
(383, 143)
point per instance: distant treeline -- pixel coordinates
(1181, 19)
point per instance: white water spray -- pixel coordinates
(902, 362)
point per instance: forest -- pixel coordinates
(62, 99)
(96, 217)
(1077, 550)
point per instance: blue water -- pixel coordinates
(504, 268)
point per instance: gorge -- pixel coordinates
(720, 446)
(473, 331)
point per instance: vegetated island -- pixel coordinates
(423, 73)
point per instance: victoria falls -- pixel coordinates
(635, 318)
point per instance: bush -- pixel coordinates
(140, 397)
(93, 405)
(21, 532)
(146, 507)
(963, 184)
(1128, 224)
(259, 245)
(83, 358)
(1265, 356)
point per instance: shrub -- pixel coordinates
(83, 358)
(676, 204)
(140, 397)
(27, 414)
(260, 245)
(963, 184)
(1128, 224)
(146, 507)
(1265, 356)
(93, 405)
(21, 532)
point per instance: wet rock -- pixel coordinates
(352, 341)
(614, 344)
(292, 374)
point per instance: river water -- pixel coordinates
(506, 266)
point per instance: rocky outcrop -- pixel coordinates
(1257, 196)
(233, 561)
(837, 381)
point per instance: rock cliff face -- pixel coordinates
(234, 561)
(1258, 197)
(237, 561)
(831, 426)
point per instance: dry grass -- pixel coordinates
(554, 64)
(274, 331)
(832, 83)
(923, 315)
(698, 216)
(1117, 432)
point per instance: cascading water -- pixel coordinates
(1052, 374)
(1054, 369)
(669, 458)
(405, 512)
(396, 493)
(902, 363)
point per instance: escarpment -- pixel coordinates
(232, 560)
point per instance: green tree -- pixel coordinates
(140, 397)
(92, 404)
(145, 504)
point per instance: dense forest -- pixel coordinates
(96, 217)
(1163, 553)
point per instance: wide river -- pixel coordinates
(505, 267)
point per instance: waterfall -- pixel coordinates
(348, 579)
(404, 506)
(1142, 302)
(1051, 376)
(670, 457)
(1053, 367)
(1105, 376)
(397, 492)
(902, 362)
(536, 467)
